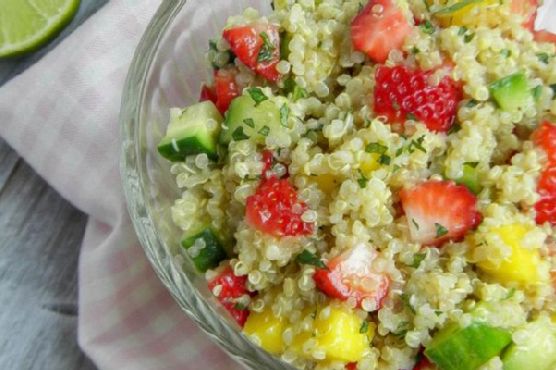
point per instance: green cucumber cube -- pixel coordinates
(192, 131)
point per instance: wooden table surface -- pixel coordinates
(40, 237)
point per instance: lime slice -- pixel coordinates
(27, 24)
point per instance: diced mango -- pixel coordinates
(369, 163)
(267, 328)
(327, 183)
(340, 337)
(522, 265)
(469, 13)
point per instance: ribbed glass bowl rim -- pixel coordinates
(209, 320)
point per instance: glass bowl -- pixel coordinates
(167, 71)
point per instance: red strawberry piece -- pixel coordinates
(379, 28)
(257, 46)
(546, 211)
(424, 364)
(226, 88)
(351, 275)
(275, 209)
(208, 93)
(400, 91)
(547, 183)
(230, 287)
(545, 137)
(438, 211)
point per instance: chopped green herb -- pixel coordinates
(396, 168)
(399, 151)
(417, 144)
(415, 223)
(364, 327)
(462, 30)
(506, 53)
(239, 135)
(440, 230)
(362, 181)
(384, 159)
(438, 312)
(543, 57)
(510, 294)
(455, 128)
(457, 6)
(427, 27)
(299, 93)
(376, 148)
(265, 130)
(536, 91)
(405, 299)
(213, 45)
(553, 87)
(240, 306)
(411, 117)
(249, 122)
(267, 49)
(414, 50)
(308, 258)
(471, 103)
(469, 37)
(257, 95)
(417, 259)
(471, 164)
(284, 112)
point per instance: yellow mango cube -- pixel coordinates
(267, 329)
(339, 335)
(469, 13)
(521, 266)
(369, 163)
(326, 182)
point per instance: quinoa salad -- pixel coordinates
(372, 184)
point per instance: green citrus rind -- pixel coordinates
(40, 36)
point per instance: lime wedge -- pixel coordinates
(27, 24)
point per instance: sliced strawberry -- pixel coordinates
(379, 28)
(352, 275)
(275, 209)
(257, 46)
(208, 93)
(546, 211)
(547, 182)
(545, 137)
(438, 211)
(226, 88)
(400, 91)
(230, 287)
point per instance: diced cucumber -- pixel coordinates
(470, 177)
(457, 348)
(512, 92)
(537, 352)
(192, 131)
(209, 251)
(247, 119)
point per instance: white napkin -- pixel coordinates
(61, 115)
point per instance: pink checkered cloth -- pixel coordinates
(62, 116)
